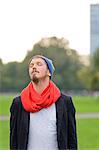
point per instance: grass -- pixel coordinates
(86, 104)
(4, 135)
(5, 103)
(87, 131)
(82, 104)
(88, 134)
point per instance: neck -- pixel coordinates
(41, 85)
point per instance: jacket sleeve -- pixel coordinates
(72, 135)
(13, 126)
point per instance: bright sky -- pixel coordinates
(24, 22)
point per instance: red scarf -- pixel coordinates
(33, 101)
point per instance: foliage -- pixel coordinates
(89, 75)
(1, 63)
(95, 81)
(15, 75)
(95, 67)
(66, 61)
(85, 76)
(95, 60)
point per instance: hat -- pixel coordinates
(49, 64)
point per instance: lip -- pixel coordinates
(35, 72)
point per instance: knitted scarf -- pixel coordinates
(34, 102)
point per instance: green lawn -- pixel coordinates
(87, 131)
(4, 135)
(86, 104)
(82, 104)
(88, 134)
(5, 103)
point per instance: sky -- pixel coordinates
(24, 22)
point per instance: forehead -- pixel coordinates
(38, 59)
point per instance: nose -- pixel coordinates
(34, 66)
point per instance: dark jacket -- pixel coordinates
(65, 121)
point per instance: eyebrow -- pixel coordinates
(37, 62)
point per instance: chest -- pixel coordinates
(44, 120)
(42, 130)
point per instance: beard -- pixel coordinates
(35, 79)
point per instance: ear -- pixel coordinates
(48, 73)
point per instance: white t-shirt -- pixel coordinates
(42, 130)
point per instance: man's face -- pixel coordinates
(38, 69)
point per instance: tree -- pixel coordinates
(85, 76)
(95, 60)
(95, 67)
(1, 67)
(1, 63)
(66, 60)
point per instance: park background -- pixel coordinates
(75, 74)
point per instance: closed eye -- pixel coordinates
(39, 64)
(31, 65)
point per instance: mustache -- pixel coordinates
(34, 70)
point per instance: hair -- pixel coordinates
(35, 56)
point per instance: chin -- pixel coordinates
(35, 79)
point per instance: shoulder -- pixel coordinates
(64, 99)
(16, 103)
(68, 102)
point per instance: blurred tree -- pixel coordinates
(1, 63)
(95, 81)
(66, 60)
(89, 75)
(9, 76)
(1, 66)
(85, 76)
(95, 60)
(95, 67)
(14, 76)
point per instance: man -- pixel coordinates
(42, 118)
